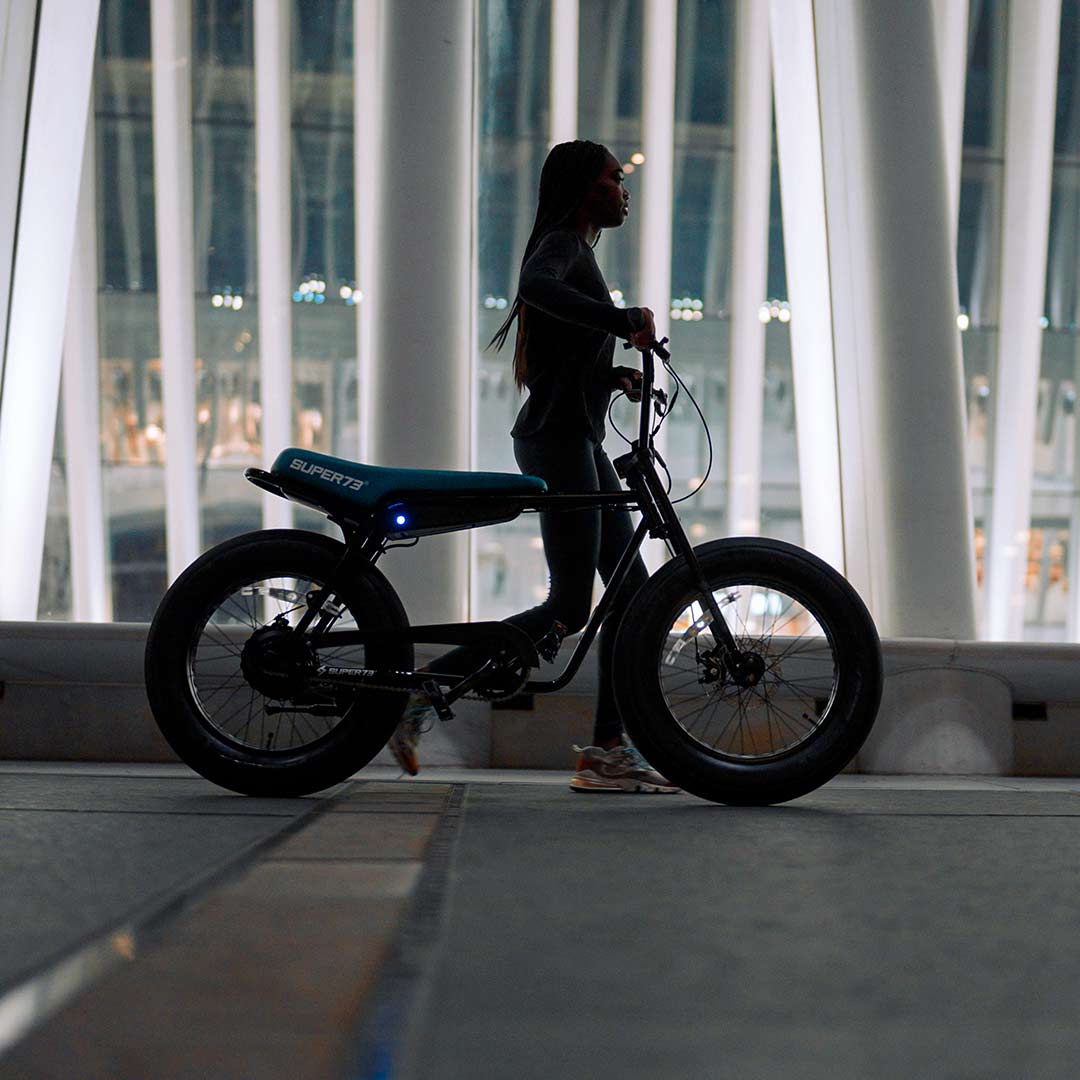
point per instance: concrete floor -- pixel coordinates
(480, 924)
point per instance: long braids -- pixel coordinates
(569, 172)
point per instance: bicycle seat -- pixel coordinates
(367, 485)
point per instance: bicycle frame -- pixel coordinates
(366, 542)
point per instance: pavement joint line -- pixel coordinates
(32, 996)
(381, 860)
(79, 768)
(382, 1043)
(145, 813)
(920, 813)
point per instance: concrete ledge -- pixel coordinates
(941, 720)
(74, 692)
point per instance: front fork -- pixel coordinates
(636, 468)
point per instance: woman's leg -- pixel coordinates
(571, 545)
(616, 533)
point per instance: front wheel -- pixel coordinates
(798, 705)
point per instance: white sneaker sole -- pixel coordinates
(600, 785)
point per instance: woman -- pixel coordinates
(567, 325)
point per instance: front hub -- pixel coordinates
(750, 671)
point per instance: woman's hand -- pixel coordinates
(643, 338)
(628, 380)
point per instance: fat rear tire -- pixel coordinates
(368, 719)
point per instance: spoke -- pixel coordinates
(223, 643)
(244, 613)
(225, 703)
(811, 726)
(791, 618)
(236, 712)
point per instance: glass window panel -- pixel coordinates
(323, 236)
(1055, 499)
(513, 94)
(610, 59)
(131, 409)
(55, 588)
(226, 316)
(978, 247)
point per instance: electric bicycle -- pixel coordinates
(746, 670)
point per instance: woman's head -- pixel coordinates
(580, 184)
(580, 179)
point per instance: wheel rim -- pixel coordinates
(788, 647)
(280, 723)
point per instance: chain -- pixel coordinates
(525, 676)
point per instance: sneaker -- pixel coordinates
(404, 742)
(622, 768)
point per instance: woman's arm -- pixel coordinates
(542, 286)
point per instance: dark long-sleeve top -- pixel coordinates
(570, 325)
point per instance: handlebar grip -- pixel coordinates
(656, 347)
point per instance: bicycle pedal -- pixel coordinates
(548, 645)
(438, 701)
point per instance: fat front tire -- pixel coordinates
(811, 698)
(278, 739)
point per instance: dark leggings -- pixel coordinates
(577, 543)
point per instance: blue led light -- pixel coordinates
(401, 519)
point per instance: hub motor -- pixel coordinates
(277, 661)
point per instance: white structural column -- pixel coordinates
(92, 599)
(750, 265)
(423, 309)
(170, 37)
(1034, 29)
(564, 70)
(657, 174)
(273, 20)
(806, 255)
(16, 54)
(951, 37)
(42, 273)
(366, 122)
(898, 361)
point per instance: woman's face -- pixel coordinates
(608, 202)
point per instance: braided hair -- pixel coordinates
(569, 172)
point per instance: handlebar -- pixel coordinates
(648, 391)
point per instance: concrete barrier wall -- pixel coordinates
(75, 692)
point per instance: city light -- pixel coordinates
(687, 309)
(774, 309)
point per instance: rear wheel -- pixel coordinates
(797, 707)
(227, 674)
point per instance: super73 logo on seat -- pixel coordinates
(327, 474)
